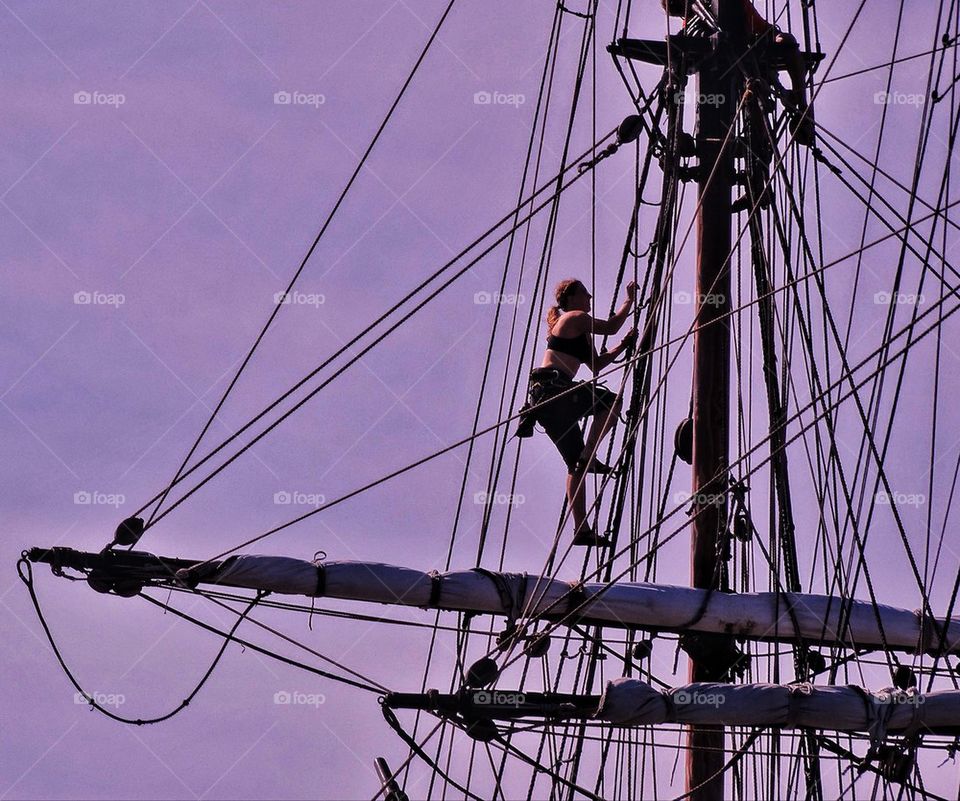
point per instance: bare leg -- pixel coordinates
(599, 427)
(577, 499)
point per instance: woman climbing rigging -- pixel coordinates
(564, 402)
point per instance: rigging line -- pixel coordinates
(612, 370)
(869, 207)
(25, 572)
(934, 51)
(816, 385)
(276, 310)
(868, 439)
(357, 356)
(953, 112)
(873, 166)
(307, 610)
(927, 574)
(541, 113)
(345, 347)
(260, 649)
(913, 199)
(546, 250)
(661, 299)
(908, 227)
(929, 243)
(564, 597)
(394, 724)
(844, 754)
(497, 460)
(949, 505)
(292, 641)
(396, 774)
(923, 140)
(808, 342)
(538, 768)
(540, 107)
(873, 174)
(737, 756)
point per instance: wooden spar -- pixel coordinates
(716, 106)
(816, 620)
(632, 702)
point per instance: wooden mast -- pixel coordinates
(716, 105)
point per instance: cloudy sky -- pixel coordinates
(163, 170)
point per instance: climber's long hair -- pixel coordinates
(564, 290)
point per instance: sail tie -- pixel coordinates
(436, 581)
(795, 700)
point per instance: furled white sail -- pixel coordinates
(768, 616)
(631, 702)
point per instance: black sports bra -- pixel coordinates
(578, 347)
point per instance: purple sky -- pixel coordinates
(179, 201)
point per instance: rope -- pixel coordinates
(323, 229)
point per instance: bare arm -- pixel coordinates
(603, 360)
(585, 323)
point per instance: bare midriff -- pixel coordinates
(564, 362)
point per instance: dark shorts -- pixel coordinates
(566, 403)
